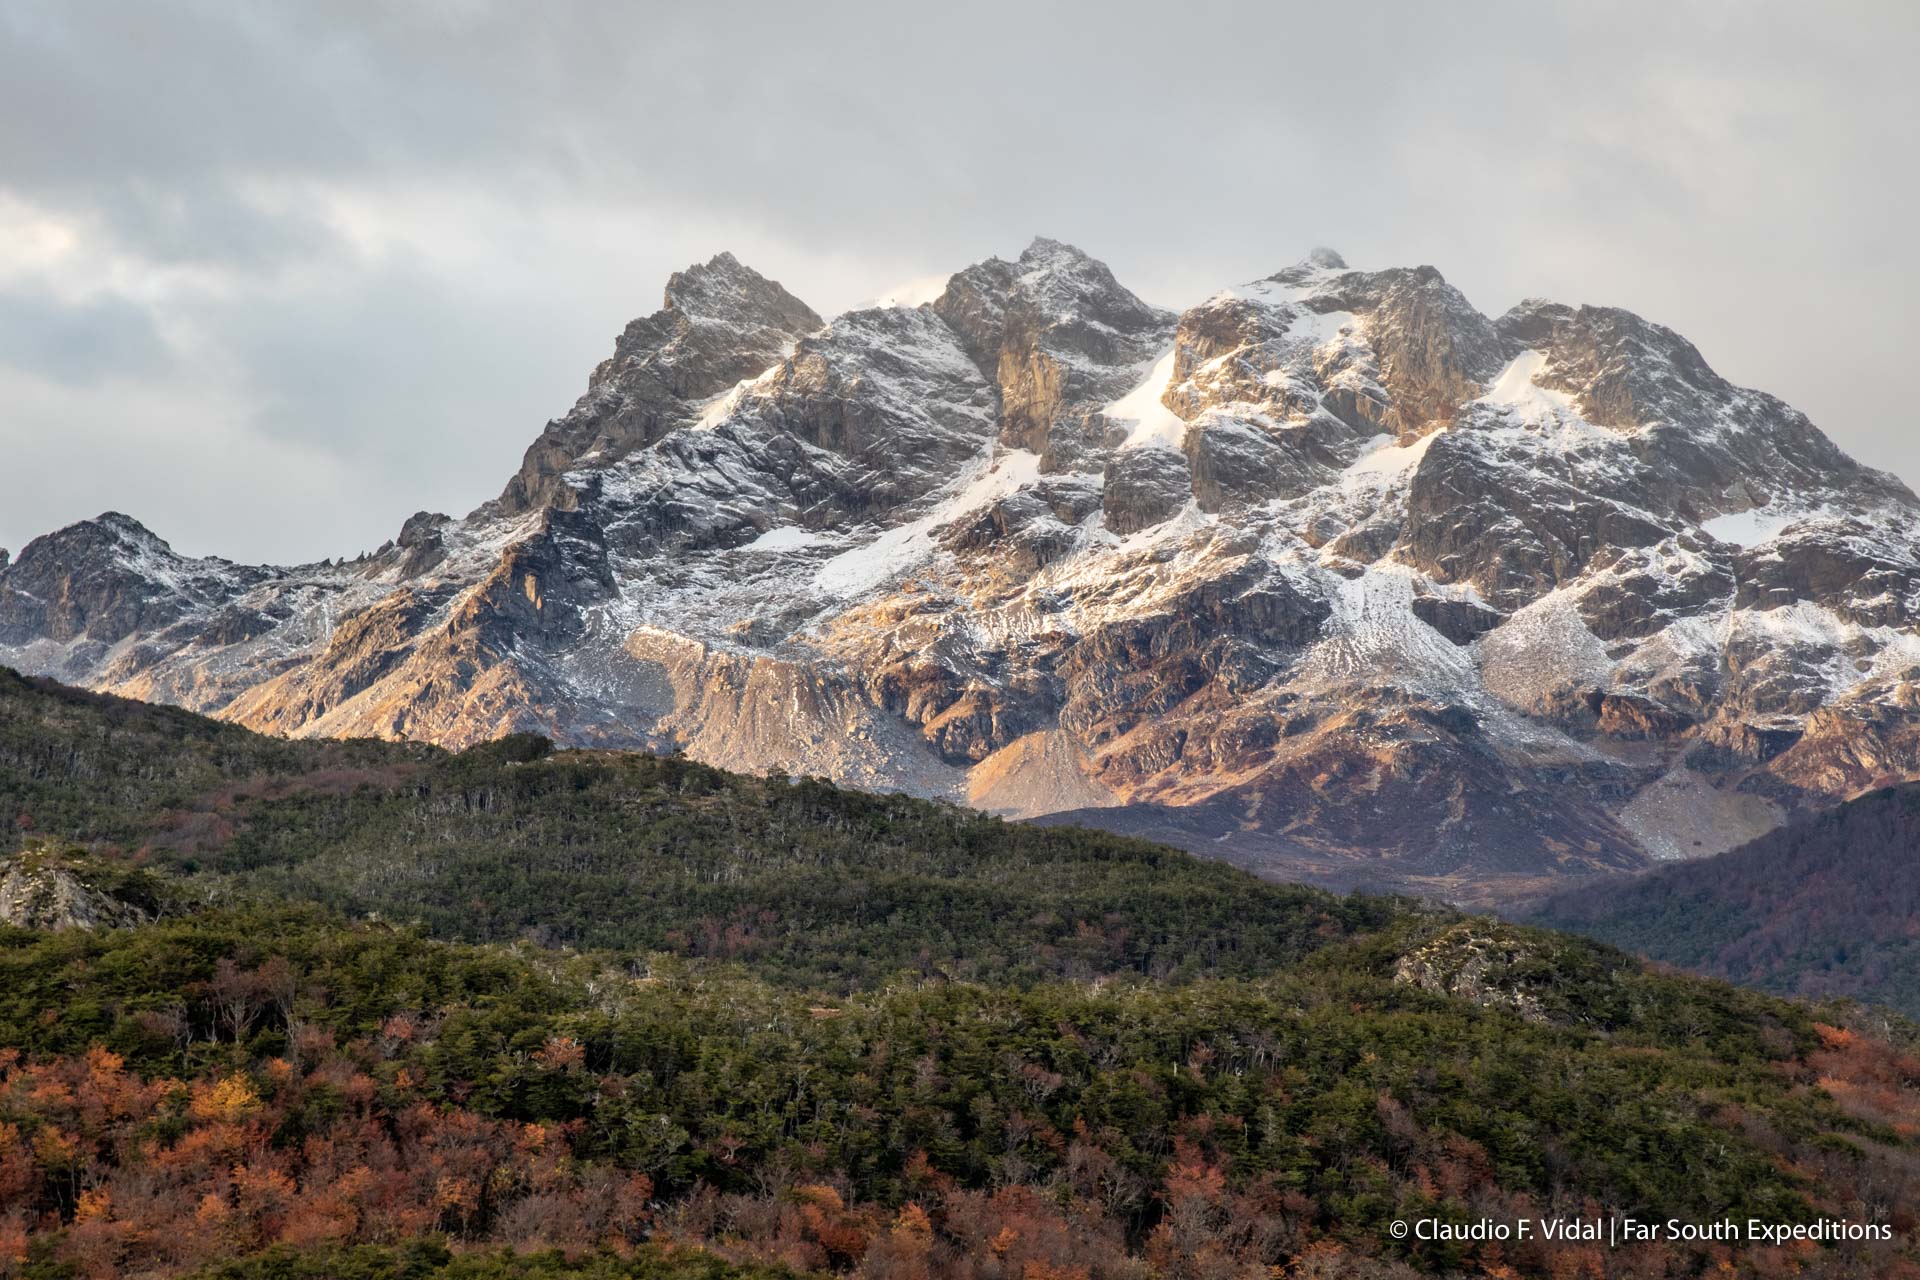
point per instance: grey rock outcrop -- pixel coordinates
(45, 888)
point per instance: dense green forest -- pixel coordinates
(818, 886)
(799, 1030)
(1825, 906)
(231, 1079)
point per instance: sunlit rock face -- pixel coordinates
(1328, 573)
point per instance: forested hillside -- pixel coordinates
(815, 884)
(209, 1085)
(1826, 906)
(797, 1029)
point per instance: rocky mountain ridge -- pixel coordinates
(1329, 573)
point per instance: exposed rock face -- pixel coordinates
(105, 580)
(720, 323)
(1330, 573)
(1060, 337)
(1145, 487)
(1461, 621)
(1433, 349)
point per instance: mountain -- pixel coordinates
(1825, 906)
(797, 1030)
(1329, 574)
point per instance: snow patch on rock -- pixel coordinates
(784, 537)
(1515, 388)
(1152, 422)
(901, 548)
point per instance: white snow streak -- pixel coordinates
(902, 547)
(1153, 422)
(1516, 389)
(786, 537)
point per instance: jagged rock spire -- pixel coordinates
(1060, 336)
(720, 322)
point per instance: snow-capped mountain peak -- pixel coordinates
(1329, 572)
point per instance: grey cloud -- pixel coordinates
(1735, 170)
(89, 341)
(435, 391)
(210, 225)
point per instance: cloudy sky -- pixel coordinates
(274, 276)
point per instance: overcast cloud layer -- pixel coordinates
(274, 276)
